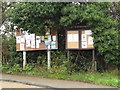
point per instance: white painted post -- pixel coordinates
(48, 57)
(24, 58)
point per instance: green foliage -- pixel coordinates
(42, 60)
(39, 17)
(29, 67)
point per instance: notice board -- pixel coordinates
(30, 41)
(79, 39)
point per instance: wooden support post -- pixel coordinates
(24, 58)
(48, 58)
(94, 66)
(68, 55)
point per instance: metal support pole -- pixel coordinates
(49, 58)
(24, 58)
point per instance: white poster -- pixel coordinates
(70, 38)
(88, 32)
(54, 38)
(22, 40)
(90, 40)
(28, 37)
(22, 46)
(18, 39)
(32, 37)
(83, 37)
(33, 44)
(38, 39)
(75, 38)
(84, 44)
(37, 44)
(28, 43)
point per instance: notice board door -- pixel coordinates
(72, 39)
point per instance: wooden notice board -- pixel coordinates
(79, 39)
(29, 41)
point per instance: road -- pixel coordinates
(50, 83)
(5, 84)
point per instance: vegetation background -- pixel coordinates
(103, 18)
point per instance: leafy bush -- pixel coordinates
(29, 67)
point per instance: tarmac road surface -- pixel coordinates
(5, 84)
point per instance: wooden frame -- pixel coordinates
(79, 38)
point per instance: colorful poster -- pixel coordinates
(22, 40)
(88, 32)
(18, 39)
(84, 44)
(90, 40)
(33, 44)
(42, 38)
(53, 45)
(22, 46)
(49, 37)
(83, 37)
(28, 44)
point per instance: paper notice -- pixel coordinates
(54, 38)
(90, 40)
(37, 44)
(33, 44)
(28, 43)
(53, 45)
(83, 37)
(49, 37)
(88, 32)
(28, 37)
(32, 37)
(18, 39)
(38, 39)
(22, 46)
(22, 40)
(84, 44)
(70, 38)
(75, 38)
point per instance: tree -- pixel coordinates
(38, 17)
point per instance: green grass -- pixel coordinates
(106, 78)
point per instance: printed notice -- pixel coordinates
(22, 46)
(83, 37)
(22, 40)
(18, 39)
(28, 43)
(32, 37)
(28, 37)
(84, 44)
(70, 38)
(37, 44)
(33, 44)
(54, 38)
(90, 40)
(75, 38)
